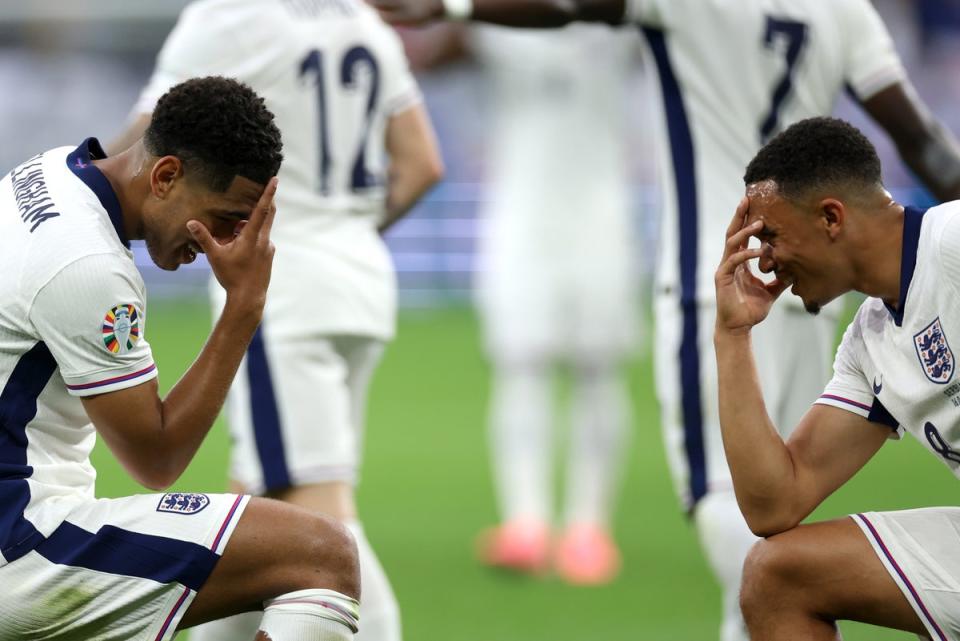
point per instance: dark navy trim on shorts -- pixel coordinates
(80, 163)
(265, 416)
(117, 551)
(684, 172)
(18, 406)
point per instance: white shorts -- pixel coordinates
(793, 353)
(919, 548)
(536, 309)
(296, 409)
(117, 569)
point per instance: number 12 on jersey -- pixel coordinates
(350, 68)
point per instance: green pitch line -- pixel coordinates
(426, 492)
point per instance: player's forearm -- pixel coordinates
(935, 159)
(408, 183)
(760, 463)
(191, 407)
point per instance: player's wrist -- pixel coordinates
(457, 10)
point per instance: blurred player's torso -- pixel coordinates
(332, 73)
(734, 74)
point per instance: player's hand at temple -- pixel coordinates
(408, 12)
(743, 300)
(243, 264)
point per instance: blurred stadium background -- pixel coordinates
(73, 69)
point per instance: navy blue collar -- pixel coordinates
(80, 162)
(912, 220)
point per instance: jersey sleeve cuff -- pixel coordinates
(112, 381)
(872, 410)
(404, 101)
(872, 84)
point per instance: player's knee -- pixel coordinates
(767, 578)
(330, 557)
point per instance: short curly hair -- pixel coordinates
(814, 153)
(219, 128)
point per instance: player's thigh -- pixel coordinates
(828, 570)
(291, 416)
(122, 568)
(276, 548)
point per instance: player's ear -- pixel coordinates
(164, 174)
(832, 215)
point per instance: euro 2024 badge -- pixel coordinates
(934, 353)
(121, 329)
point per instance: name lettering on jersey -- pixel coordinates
(183, 503)
(951, 393)
(934, 352)
(30, 191)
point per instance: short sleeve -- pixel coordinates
(200, 44)
(644, 12)
(91, 317)
(870, 59)
(949, 249)
(849, 388)
(400, 88)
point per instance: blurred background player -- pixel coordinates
(555, 287)
(732, 75)
(555, 282)
(360, 151)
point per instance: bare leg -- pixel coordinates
(797, 584)
(276, 549)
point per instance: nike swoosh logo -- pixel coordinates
(877, 386)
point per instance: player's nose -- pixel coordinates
(766, 263)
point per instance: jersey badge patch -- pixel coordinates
(934, 353)
(121, 329)
(180, 503)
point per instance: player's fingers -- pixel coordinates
(268, 218)
(202, 235)
(736, 259)
(261, 211)
(739, 216)
(775, 287)
(739, 239)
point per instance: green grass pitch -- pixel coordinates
(426, 493)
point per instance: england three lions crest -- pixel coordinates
(183, 503)
(934, 353)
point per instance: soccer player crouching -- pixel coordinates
(827, 226)
(74, 361)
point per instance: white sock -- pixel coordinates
(242, 626)
(378, 606)
(521, 437)
(311, 615)
(725, 539)
(599, 442)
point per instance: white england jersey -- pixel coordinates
(897, 367)
(555, 266)
(71, 324)
(333, 74)
(733, 74)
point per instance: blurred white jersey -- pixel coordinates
(71, 325)
(897, 367)
(333, 79)
(733, 75)
(557, 243)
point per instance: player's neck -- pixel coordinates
(125, 172)
(879, 254)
